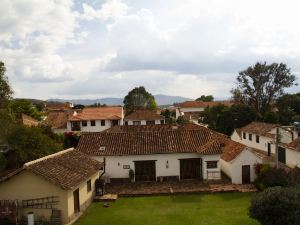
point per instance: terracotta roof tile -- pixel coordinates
(201, 104)
(57, 106)
(99, 113)
(58, 119)
(144, 115)
(135, 141)
(295, 145)
(259, 128)
(231, 150)
(27, 120)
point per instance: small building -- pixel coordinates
(63, 182)
(144, 117)
(262, 136)
(26, 120)
(191, 110)
(289, 154)
(156, 152)
(238, 162)
(58, 119)
(96, 119)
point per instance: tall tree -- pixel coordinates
(139, 98)
(288, 108)
(205, 98)
(261, 84)
(5, 89)
(25, 106)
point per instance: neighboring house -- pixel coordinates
(290, 153)
(191, 110)
(238, 162)
(27, 120)
(263, 136)
(96, 119)
(49, 106)
(63, 181)
(156, 152)
(58, 120)
(144, 117)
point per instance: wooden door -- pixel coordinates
(281, 155)
(190, 169)
(76, 201)
(246, 174)
(145, 170)
(269, 149)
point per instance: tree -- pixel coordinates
(260, 85)
(288, 107)
(5, 90)
(276, 206)
(139, 98)
(206, 98)
(25, 106)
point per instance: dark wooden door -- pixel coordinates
(190, 169)
(246, 174)
(269, 149)
(76, 201)
(145, 170)
(281, 155)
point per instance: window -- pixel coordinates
(84, 123)
(136, 122)
(211, 164)
(244, 135)
(269, 149)
(126, 123)
(250, 137)
(89, 185)
(257, 139)
(93, 123)
(149, 122)
(102, 122)
(162, 122)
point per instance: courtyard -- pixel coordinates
(182, 209)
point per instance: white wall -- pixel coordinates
(233, 169)
(179, 110)
(236, 137)
(143, 122)
(114, 164)
(292, 158)
(96, 128)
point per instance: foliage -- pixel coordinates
(261, 84)
(3, 161)
(25, 106)
(276, 206)
(78, 106)
(29, 143)
(97, 105)
(206, 98)
(71, 139)
(5, 90)
(288, 107)
(131, 174)
(182, 120)
(169, 116)
(6, 120)
(139, 98)
(225, 119)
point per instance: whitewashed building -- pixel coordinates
(262, 136)
(96, 119)
(144, 117)
(290, 153)
(156, 152)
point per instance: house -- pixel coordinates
(26, 120)
(63, 182)
(156, 152)
(96, 119)
(144, 117)
(58, 120)
(191, 110)
(290, 153)
(262, 136)
(238, 162)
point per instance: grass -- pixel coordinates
(198, 209)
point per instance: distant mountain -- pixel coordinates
(160, 100)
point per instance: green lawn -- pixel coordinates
(198, 209)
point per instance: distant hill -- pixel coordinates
(160, 100)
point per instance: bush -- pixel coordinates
(271, 177)
(276, 206)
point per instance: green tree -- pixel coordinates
(139, 98)
(276, 206)
(288, 107)
(260, 85)
(5, 89)
(206, 98)
(212, 116)
(25, 106)
(29, 143)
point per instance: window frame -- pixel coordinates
(213, 164)
(250, 137)
(244, 135)
(102, 123)
(93, 123)
(89, 186)
(257, 139)
(84, 123)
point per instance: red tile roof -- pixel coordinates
(99, 113)
(67, 168)
(260, 128)
(201, 104)
(144, 115)
(27, 120)
(165, 140)
(57, 106)
(295, 145)
(231, 150)
(58, 119)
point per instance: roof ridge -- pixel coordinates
(48, 157)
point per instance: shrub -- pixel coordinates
(276, 206)
(271, 177)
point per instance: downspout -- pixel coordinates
(104, 165)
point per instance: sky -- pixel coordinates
(104, 48)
